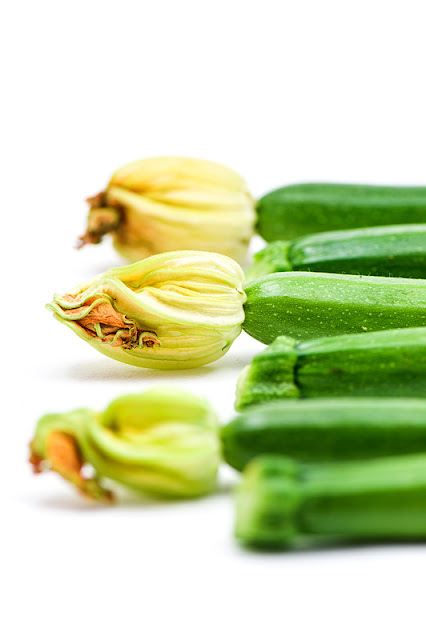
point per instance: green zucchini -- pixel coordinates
(312, 305)
(383, 363)
(398, 251)
(299, 209)
(324, 430)
(280, 503)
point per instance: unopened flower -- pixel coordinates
(162, 441)
(176, 310)
(171, 203)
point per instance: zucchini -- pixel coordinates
(299, 209)
(312, 305)
(324, 430)
(280, 503)
(383, 363)
(398, 251)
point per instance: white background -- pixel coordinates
(282, 92)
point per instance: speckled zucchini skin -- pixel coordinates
(300, 209)
(395, 250)
(312, 305)
(323, 429)
(384, 363)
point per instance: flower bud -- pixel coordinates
(166, 204)
(162, 441)
(176, 310)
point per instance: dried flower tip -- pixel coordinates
(166, 204)
(172, 311)
(163, 442)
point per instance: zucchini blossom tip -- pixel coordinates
(175, 310)
(162, 441)
(172, 203)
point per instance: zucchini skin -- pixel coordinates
(394, 250)
(383, 363)
(280, 503)
(305, 305)
(300, 209)
(325, 430)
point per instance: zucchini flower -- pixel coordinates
(167, 204)
(162, 441)
(176, 310)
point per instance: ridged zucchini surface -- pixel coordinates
(395, 250)
(384, 363)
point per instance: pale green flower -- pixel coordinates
(171, 311)
(165, 204)
(162, 441)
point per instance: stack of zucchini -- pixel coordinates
(332, 434)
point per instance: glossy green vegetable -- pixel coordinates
(383, 363)
(398, 251)
(324, 429)
(312, 305)
(299, 209)
(279, 501)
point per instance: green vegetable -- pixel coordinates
(398, 251)
(312, 305)
(383, 363)
(162, 441)
(323, 429)
(279, 502)
(299, 209)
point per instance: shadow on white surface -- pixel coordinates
(71, 501)
(331, 546)
(110, 370)
(76, 504)
(107, 370)
(68, 503)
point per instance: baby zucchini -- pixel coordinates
(324, 430)
(398, 251)
(383, 363)
(312, 305)
(280, 503)
(299, 209)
